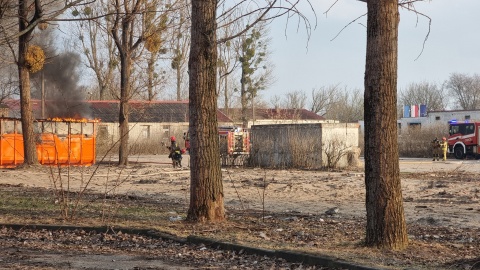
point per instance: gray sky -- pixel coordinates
(300, 64)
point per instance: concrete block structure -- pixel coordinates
(305, 146)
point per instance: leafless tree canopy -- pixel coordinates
(465, 89)
(426, 93)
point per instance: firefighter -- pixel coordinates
(175, 152)
(436, 149)
(444, 146)
(173, 146)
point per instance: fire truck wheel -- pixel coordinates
(458, 153)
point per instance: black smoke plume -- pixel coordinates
(64, 95)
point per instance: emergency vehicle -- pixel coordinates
(463, 139)
(234, 144)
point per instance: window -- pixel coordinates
(467, 117)
(415, 126)
(469, 129)
(454, 129)
(437, 118)
(463, 129)
(166, 131)
(102, 132)
(145, 132)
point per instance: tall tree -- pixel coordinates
(206, 188)
(24, 25)
(98, 47)
(156, 25)
(123, 32)
(179, 42)
(386, 226)
(252, 55)
(133, 23)
(227, 62)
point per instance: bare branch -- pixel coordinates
(408, 7)
(347, 26)
(263, 16)
(39, 17)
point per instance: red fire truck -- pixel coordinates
(463, 139)
(234, 145)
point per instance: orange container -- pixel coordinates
(59, 142)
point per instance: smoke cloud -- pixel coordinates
(64, 96)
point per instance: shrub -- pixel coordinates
(416, 142)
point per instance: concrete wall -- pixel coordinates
(306, 146)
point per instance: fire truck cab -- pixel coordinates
(463, 139)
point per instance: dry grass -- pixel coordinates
(431, 247)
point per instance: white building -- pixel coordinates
(437, 118)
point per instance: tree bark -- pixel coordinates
(243, 99)
(179, 82)
(386, 226)
(124, 109)
(206, 188)
(124, 22)
(29, 145)
(151, 75)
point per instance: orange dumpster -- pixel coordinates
(61, 142)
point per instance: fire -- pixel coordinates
(74, 120)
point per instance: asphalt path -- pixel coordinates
(450, 165)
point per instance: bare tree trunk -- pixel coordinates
(29, 145)
(124, 23)
(30, 149)
(206, 188)
(226, 97)
(179, 82)
(124, 109)
(243, 100)
(151, 72)
(386, 226)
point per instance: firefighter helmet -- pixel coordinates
(173, 139)
(444, 138)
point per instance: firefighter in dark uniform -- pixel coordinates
(436, 149)
(174, 148)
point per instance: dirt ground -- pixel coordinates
(439, 195)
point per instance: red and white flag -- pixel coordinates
(415, 111)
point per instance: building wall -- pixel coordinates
(142, 132)
(436, 118)
(303, 145)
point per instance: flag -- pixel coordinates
(423, 110)
(406, 111)
(415, 110)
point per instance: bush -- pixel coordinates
(417, 142)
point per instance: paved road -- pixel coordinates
(450, 165)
